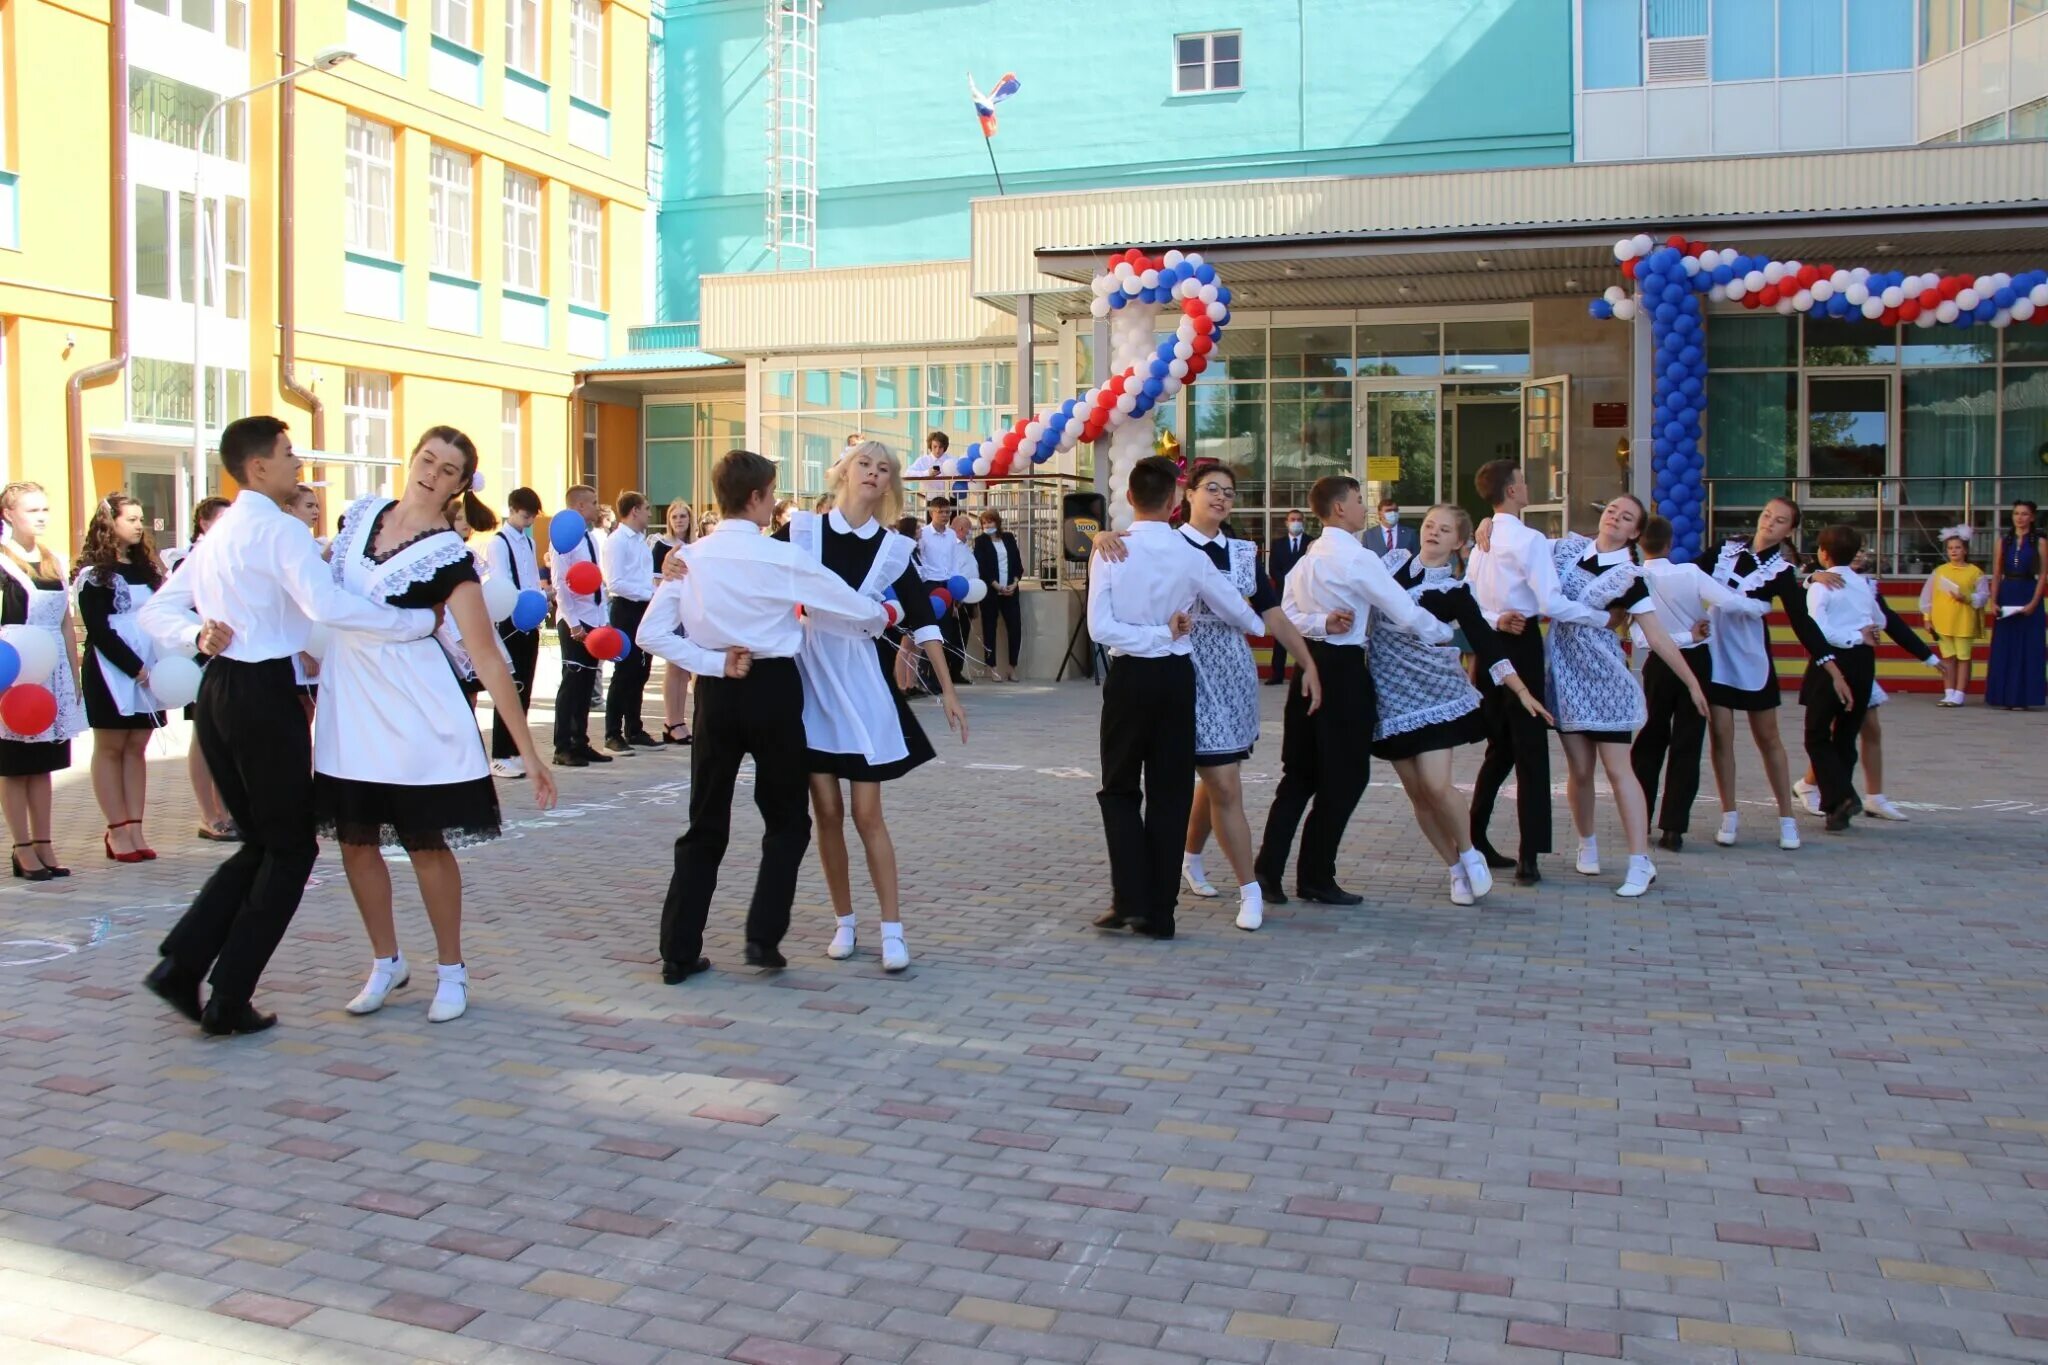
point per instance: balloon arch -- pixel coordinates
(1670, 279)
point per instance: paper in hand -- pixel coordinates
(2010, 611)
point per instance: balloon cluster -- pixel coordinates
(1131, 289)
(28, 656)
(1671, 278)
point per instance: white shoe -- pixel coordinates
(895, 957)
(1476, 871)
(1880, 807)
(1725, 836)
(512, 768)
(1251, 910)
(451, 996)
(841, 947)
(1589, 858)
(1641, 872)
(1807, 794)
(1788, 832)
(385, 977)
(1461, 886)
(1198, 884)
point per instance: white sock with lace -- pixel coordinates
(1193, 863)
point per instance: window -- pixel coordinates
(235, 257)
(586, 463)
(449, 212)
(370, 189)
(452, 21)
(198, 13)
(2030, 120)
(1611, 37)
(586, 51)
(511, 448)
(170, 111)
(237, 34)
(1986, 130)
(1881, 35)
(1982, 18)
(1940, 27)
(162, 7)
(366, 416)
(1205, 62)
(160, 393)
(1743, 47)
(1809, 37)
(586, 251)
(153, 245)
(522, 232)
(164, 239)
(523, 35)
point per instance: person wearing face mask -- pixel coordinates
(998, 563)
(1281, 556)
(1390, 535)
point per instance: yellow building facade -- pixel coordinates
(466, 196)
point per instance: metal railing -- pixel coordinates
(1030, 506)
(662, 336)
(1901, 516)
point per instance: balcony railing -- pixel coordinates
(1901, 516)
(662, 336)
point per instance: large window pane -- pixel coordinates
(1612, 43)
(1982, 18)
(152, 242)
(1401, 423)
(1881, 35)
(1742, 342)
(1940, 27)
(1848, 431)
(1311, 425)
(1230, 425)
(1399, 348)
(1311, 352)
(1752, 433)
(1809, 37)
(2025, 399)
(1242, 353)
(778, 390)
(1486, 348)
(1742, 40)
(1835, 341)
(2026, 344)
(1949, 345)
(1948, 426)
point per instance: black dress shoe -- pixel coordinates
(174, 988)
(1526, 873)
(673, 972)
(762, 956)
(1670, 839)
(640, 739)
(221, 1020)
(1495, 859)
(590, 755)
(1838, 818)
(570, 760)
(1113, 919)
(1330, 894)
(1153, 928)
(1270, 888)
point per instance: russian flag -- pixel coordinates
(985, 105)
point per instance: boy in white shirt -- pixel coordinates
(1836, 693)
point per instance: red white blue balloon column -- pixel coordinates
(1671, 278)
(1145, 370)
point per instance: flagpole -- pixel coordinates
(990, 143)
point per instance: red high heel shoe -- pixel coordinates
(107, 842)
(145, 853)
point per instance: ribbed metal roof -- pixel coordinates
(654, 361)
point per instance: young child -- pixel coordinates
(1953, 604)
(1836, 692)
(1139, 608)
(733, 622)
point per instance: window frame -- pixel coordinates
(451, 210)
(535, 32)
(586, 52)
(511, 440)
(514, 215)
(453, 21)
(1208, 63)
(362, 172)
(586, 251)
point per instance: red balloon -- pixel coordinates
(1628, 268)
(944, 593)
(1695, 248)
(1767, 296)
(28, 708)
(1752, 301)
(605, 643)
(1889, 316)
(583, 577)
(1203, 326)
(1197, 364)
(1950, 287)
(1808, 275)
(1676, 239)
(1909, 310)
(1202, 344)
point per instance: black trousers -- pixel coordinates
(1279, 660)
(1832, 728)
(1325, 763)
(1148, 781)
(1518, 743)
(572, 695)
(1672, 735)
(761, 715)
(629, 675)
(259, 749)
(1010, 612)
(524, 647)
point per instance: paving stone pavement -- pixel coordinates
(1788, 1106)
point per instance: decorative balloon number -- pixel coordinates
(1669, 282)
(1145, 371)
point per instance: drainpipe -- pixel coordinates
(79, 480)
(287, 237)
(576, 428)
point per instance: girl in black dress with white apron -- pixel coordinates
(1764, 566)
(117, 573)
(33, 597)
(679, 528)
(857, 729)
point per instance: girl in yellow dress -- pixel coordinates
(1953, 602)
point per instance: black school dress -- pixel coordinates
(102, 596)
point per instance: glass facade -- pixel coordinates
(683, 440)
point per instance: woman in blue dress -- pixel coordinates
(2017, 676)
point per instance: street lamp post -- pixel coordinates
(192, 480)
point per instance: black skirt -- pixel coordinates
(855, 767)
(423, 819)
(1764, 698)
(100, 711)
(1469, 728)
(1222, 760)
(33, 758)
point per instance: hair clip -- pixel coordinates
(1962, 533)
(476, 482)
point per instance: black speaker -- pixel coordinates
(1082, 515)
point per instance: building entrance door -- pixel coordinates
(1481, 423)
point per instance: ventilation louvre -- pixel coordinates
(1669, 60)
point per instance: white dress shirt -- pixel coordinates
(741, 591)
(1337, 573)
(938, 554)
(1683, 593)
(259, 573)
(1002, 560)
(1131, 602)
(923, 467)
(628, 563)
(579, 609)
(1516, 573)
(510, 555)
(1843, 613)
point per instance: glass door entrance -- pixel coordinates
(1546, 441)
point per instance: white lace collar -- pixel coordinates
(839, 523)
(1187, 528)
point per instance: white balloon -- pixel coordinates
(1860, 274)
(1691, 265)
(1034, 432)
(2039, 294)
(1126, 403)
(982, 465)
(1131, 286)
(1625, 310)
(500, 593)
(1175, 256)
(1178, 368)
(1625, 249)
(1841, 280)
(1823, 290)
(1207, 293)
(1926, 319)
(1754, 281)
(1643, 243)
(2022, 309)
(1099, 307)
(1218, 311)
(976, 590)
(1984, 285)
(1183, 350)
(1803, 300)
(1718, 292)
(1947, 311)
(1893, 296)
(1133, 385)
(1968, 299)
(318, 636)
(1125, 270)
(1614, 293)
(1785, 306)
(1873, 308)
(1709, 259)
(1736, 289)
(1856, 294)
(1194, 258)
(1773, 272)
(174, 681)
(38, 650)
(2002, 318)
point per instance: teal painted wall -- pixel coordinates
(1379, 86)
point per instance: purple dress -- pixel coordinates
(2018, 672)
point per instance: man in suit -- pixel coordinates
(997, 562)
(1390, 535)
(1281, 557)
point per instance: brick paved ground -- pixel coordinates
(1787, 1106)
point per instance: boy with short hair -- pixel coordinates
(1836, 693)
(576, 615)
(511, 556)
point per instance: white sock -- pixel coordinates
(889, 930)
(1193, 863)
(1249, 892)
(845, 922)
(393, 965)
(1729, 820)
(1788, 825)
(1874, 797)
(1638, 862)
(1589, 847)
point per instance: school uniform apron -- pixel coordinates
(1591, 688)
(849, 707)
(130, 697)
(1226, 675)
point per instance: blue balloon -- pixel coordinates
(1687, 447)
(938, 606)
(1223, 294)
(957, 585)
(1675, 372)
(1600, 308)
(1206, 273)
(1691, 387)
(566, 531)
(10, 663)
(1986, 311)
(1681, 525)
(1152, 388)
(1674, 431)
(889, 593)
(1116, 298)
(529, 609)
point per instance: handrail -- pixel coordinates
(1902, 530)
